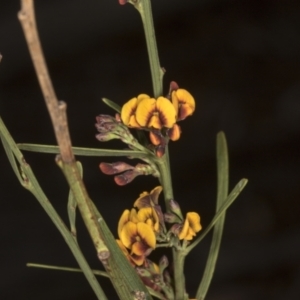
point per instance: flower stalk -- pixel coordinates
(157, 73)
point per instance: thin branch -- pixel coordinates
(57, 110)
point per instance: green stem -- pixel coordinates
(179, 279)
(144, 8)
(165, 180)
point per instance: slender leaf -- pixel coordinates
(229, 200)
(112, 104)
(81, 151)
(222, 192)
(29, 182)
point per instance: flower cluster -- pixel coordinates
(159, 116)
(143, 228)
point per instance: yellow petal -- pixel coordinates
(123, 220)
(133, 217)
(128, 234)
(184, 230)
(144, 111)
(155, 121)
(140, 97)
(184, 103)
(147, 234)
(128, 110)
(167, 112)
(132, 122)
(190, 234)
(149, 216)
(194, 221)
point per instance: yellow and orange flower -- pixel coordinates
(136, 232)
(128, 112)
(183, 102)
(190, 226)
(144, 111)
(159, 116)
(138, 237)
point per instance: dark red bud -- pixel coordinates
(114, 168)
(122, 2)
(126, 177)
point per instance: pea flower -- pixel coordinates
(183, 102)
(128, 112)
(138, 237)
(190, 226)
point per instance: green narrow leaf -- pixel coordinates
(229, 200)
(68, 269)
(222, 192)
(82, 151)
(112, 105)
(29, 181)
(95, 272)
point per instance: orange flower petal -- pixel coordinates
(128, 234)
(184, 230)
(174, 132)
(167, 112)
(133, 217)
(149, 216)
(123, 220)
(147, 234)
(145, 110)
(128, 110)
(194, 221)
(155, 121)
(155, 138)
(184, 103)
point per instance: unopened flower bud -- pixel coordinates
(126, 177)
(171, 218)
(104, 137)
(163, 263)
(143, 272)
(175, 208)
(160, 150)
(176, 228)
(114, 168)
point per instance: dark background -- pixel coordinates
(241, 61)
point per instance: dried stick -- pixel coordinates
(57, 109)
